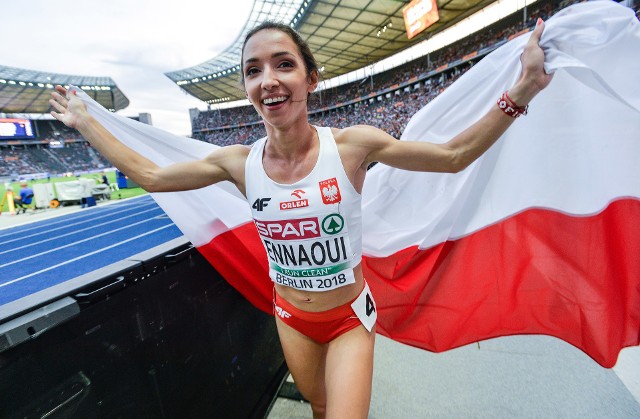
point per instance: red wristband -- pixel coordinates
(509, 107)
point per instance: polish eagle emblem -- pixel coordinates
(330, 191)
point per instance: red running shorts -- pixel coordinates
(322, 326)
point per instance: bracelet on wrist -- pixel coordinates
(509, 107)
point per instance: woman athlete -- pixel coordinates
(303, 184)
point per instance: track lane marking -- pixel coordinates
(84, 256)
(13, 249)
(107, 215)
(36, 225)
(78, 242)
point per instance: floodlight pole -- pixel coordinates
(371, 78)
(371, 70)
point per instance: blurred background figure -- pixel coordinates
(24, 201)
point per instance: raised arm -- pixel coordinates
(226, 163)
(464, 148)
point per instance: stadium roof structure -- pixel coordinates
(344, 35)
(28, 91)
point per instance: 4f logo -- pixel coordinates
(282, 313)
(260, 203)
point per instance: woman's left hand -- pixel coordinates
(533, 78)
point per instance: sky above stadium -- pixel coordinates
(132, 41)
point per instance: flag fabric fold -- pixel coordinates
(541, 235)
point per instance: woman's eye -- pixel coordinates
(252, 71)
(286, 64)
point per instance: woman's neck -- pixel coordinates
(290, 142)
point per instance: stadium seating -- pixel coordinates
(387, 102)
(397, 93)
(74, 155)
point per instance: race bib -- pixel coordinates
(365, 308)
(311, 253)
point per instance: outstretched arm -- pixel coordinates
(223, 164)
(470, 144)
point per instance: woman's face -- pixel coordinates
(275, 78)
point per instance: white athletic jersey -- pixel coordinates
(311, 229)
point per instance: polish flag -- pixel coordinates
(541, 235)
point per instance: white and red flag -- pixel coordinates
(541, 235)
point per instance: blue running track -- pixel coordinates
(37, 256)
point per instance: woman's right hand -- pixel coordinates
(69, 108)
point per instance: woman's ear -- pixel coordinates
(312, 80)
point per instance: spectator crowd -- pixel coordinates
(28, 159)
(390, 99)
(387, 102)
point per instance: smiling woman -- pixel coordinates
(326, 313)
(278, 79)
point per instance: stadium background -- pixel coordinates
(383, 99)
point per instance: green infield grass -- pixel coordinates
(115, 195)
